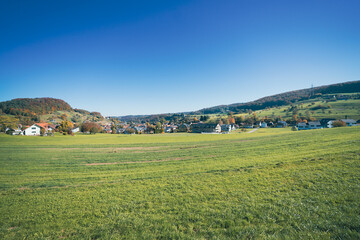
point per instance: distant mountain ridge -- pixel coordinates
(276, 100)
(283, 98)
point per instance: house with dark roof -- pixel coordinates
(314, 125)
(349, 122)
(325, 122)
(205, 128)
(302, 126)
(281, 124)
(227, 127)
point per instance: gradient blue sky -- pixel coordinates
(144, 57)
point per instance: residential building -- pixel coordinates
(349, 122)
(227, 127)
(281, 124)
(314, 125)
(263, 124)
(205, 128)
(75, 130)
(33, 130)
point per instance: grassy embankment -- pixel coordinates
(272, 183)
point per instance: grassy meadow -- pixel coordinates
(269, 184)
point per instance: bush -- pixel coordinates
(294, 128)
(339, 124)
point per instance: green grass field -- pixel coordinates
(270, 184)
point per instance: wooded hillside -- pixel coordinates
(34, 106)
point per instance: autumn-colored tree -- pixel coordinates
(294, 117)
(8, 122)
(159, 128)
(63, 117)
(65, 126)
(94, 130)
(70, 132)
(42, 131)
(90, 127)
(231, 120)
(339, 124)
(113, 129)
(130, 131)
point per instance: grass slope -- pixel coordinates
(269, 184)
(338, 109)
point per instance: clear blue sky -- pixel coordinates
(143, 57)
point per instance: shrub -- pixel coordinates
(339, 124)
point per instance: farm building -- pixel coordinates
(205, 128)
(349, 122)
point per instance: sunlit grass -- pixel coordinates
(273, 183)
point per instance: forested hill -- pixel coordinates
(34, 106)
(284, 98)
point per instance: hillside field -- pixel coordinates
(339, 109)
(269, 184)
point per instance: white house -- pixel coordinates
(330, 124)
(75, 130)
(17, 131)
(205, 128)
(33, 130)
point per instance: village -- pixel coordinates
(69, 128)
